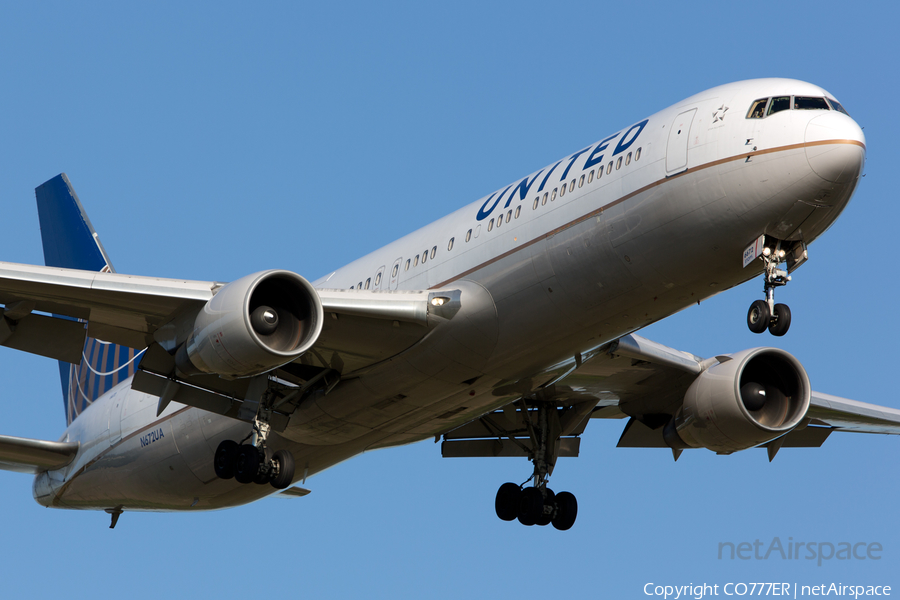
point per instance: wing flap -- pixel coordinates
(26, 455)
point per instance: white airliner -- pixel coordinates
(503, 328)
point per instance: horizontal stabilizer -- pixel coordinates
(34, 456)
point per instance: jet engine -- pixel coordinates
(747, 399)
(253, 325)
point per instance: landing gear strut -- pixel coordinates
(538, 505)
(765, 314)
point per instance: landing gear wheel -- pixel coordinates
(284, 461)
(758, 316)
(224, 459)
(781, 320)
(246, 467)
(566, 511)
(531, 506)
(549, 508)
(507, 501)
(262, 477)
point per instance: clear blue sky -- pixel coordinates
(210, 142)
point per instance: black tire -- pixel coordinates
(781, 321)
(507, 501)
(531, 506)
(246, 467)
(758, 316)
(224, 459)
(549, 503)
(566, 511)
(284, 462)
(262, 477)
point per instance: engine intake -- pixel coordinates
(253, 325)
(747, 399)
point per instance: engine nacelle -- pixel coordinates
(750, 398)
(253, 325)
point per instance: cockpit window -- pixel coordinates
(758, 109)
(778, 104)
(837, 106)
(807, 103)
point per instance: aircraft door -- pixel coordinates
(677, 147)
(395, 273)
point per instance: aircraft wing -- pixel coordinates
(644, 381)
(363, 327)
(34, 456)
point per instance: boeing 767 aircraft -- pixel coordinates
(503, 328)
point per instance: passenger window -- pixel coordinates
(395, 271)
(591, 176)
(359, 285)
(805, 103)
(600, 172)
(609, 168)
(779, 104)
(508, 215)
(837, 106)
(351, 287)
(544, 201)
(424, 256)
(562, 190)
(757, 109)
(408, 262)
(553, 195)
(450, 245)
(491, 225)
(572, 186)
(619, 163)
(416, 260)
(519, 209)
(581, 181)
(433, 251)
(377, 279)
(368, 281)
(468, 235)
(536, 202)
(637, 155)
(628, 159)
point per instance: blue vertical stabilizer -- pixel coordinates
(70, 242)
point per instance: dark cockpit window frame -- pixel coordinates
(835, 105)
(778, 104)
(809, 103)
(758, 109)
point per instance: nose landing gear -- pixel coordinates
(766, 314)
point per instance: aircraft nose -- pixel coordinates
(835, 147)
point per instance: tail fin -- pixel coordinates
(70, 242)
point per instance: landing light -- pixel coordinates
(766, 251)
(439, 300)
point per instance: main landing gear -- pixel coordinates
(538, 505)
(254, 462)
(765, 314)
